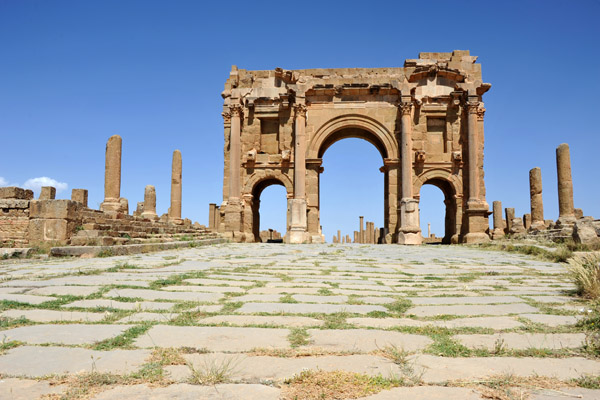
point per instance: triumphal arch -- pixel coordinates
(426, 120)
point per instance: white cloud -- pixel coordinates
(36, 184)
(3, 182)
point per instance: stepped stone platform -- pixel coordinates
(238, 321)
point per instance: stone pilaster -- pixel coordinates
(409, 232)
(537, 204)
(233, 211)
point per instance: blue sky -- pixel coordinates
(73, 73)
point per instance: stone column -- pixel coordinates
(150, 203)
(112, 178)
(339, 236)
(233, 211)
(356, 233)
(175, 210)
(410, 232)
(537, 204)
(498, 231)
(299, 225)
(477, 209)
(566, 209)
(361, 232)
(510, 215)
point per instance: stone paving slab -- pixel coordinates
(206, 289)
(26, 389)
(426, 393)
(306, 298)
(210, 282)
(465, 300)
(387, 322)
(496, 323)
(483, 309)
(265, 368)
(52, 315)
(364, 340)
(522, 341)
(552, 299)
(272, 290)
(441, 369)
(34, 361)
(567, 393)
(298, 308)
(120, 305)
(148, 316)
(214, 338)
(26, 298)
(73, 334)
(65, 290)
(164, 295)
(184, 391)
(552, 320)
(274, 320)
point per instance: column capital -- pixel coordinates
(480, 113)
(300, 110)
(226, 117)
(472, 107)
(405, 107)
(236, 110)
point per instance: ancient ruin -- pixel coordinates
(426, 120)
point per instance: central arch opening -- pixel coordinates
(351, 184)
(437, 207)
(269, 196)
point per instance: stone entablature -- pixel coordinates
(426, 120)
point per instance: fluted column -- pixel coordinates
(410, 232)
(472, 146)
(298, 229)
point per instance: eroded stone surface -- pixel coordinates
(554, 341)
(26, 389)
(365, 340)
(52, 315)
(192, 392)
(64, 334)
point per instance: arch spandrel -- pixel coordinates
(261, 178)
(354, 125)
(434, 176)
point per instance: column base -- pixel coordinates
(410, 238)
(120, 205)
(476, 237)
(497, 234)
(538, 226)
(150, 216)
(317, 239)
(298, 237)
(565, 221)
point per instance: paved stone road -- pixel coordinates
(263, 313)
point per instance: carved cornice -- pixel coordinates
(405, 107)
(300, 110)
(236, 110)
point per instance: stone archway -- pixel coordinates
(344, 127)
(254, 187)
(450, 185)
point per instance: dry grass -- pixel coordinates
(297, 353)
(167, 356)
(213, 371)
(584, 270)
(322, 385)
(511, 387)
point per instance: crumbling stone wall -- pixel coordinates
(14, 216)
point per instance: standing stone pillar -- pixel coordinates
(477, 209)
(510, 215)
(175, 209)
(498, 231)
(566, 209)
(212, 211)
(150, 203)
(113, 202)
(537, 204)
(410, 232)
(80, 196)
(48, 193)
(233, 210)
(361, 232)
(299, 225)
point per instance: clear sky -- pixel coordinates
(73, 73)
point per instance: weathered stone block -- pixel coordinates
(6, 204)
(48, 193)
(12, 192)
(586, 232)
(58, 230)
(80, 196)
(54, 209)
